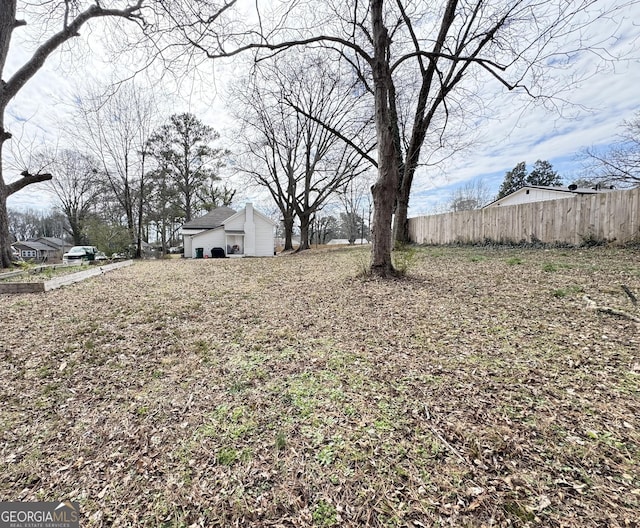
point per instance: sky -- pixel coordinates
(515, 130)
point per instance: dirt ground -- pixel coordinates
(489, 387)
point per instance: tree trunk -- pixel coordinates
(400, 222)
(140, 210)
(75, 226)
(5, 239)
(288, 232)
(7, 24)
(385, 189)
(304, 232)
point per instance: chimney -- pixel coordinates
(249, 231)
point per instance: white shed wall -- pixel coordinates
(186, 240)
(535, 195)
(207, 240)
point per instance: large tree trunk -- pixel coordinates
(75, 228)
(5, 239)
(7, 24)
(304, 231)
(288, 232)
(400, 222)
(385, 189)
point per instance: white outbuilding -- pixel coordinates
(542, 193)
(224, 232)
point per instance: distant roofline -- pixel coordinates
(559, 188)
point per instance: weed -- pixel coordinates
(50, 389)
(363, 262)
(404, 258)
(514, 261)
(227, 456)
(326, 455)
(324, 514)
(514, 509)
(565, 292)
(550, 267)
(201, 346)
(281, 441)
(591, 240)
(44, 371)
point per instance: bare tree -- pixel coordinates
(69, 17)
(116, 127)
(619, 164)
(76, 188)
(25, 225)
(471, 195)
(450, 47)
(295, 117)
(352, 197)
(212, 196)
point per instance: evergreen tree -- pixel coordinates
(513, 180)
(182, 148)
(542, 174)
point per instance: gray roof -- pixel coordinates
(211, 220)
(56, 243)
(577, 190)
(38, 246)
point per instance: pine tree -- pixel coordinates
(542, 174)
(513, 180)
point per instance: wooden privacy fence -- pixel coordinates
(604, 217)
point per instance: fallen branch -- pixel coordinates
(611, 311)
(441, 438)
(630, 294)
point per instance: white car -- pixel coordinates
(80, 253)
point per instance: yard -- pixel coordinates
(491, 387)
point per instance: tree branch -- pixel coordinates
(29, 69)
(333, 131)
(283, 45)
(27, 179)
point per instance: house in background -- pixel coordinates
(541, 193)
(35, 251)
(60, 246)
(345, 242)
(225, 232)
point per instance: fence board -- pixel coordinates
(607, 216)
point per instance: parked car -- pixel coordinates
(80, 253)
(100, 255)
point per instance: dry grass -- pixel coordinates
(481, 390)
